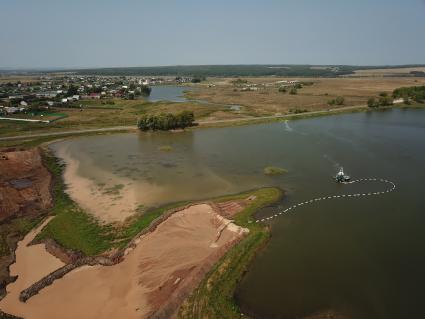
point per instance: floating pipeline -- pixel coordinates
(318, 199)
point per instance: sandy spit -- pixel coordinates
(163, 265)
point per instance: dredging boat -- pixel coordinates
(341, 177)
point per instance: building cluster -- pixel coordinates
(65, 90)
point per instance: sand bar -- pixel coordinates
(163, 267)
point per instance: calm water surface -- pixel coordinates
(363, 258)
(170, 93)
(174, 93)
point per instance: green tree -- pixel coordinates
(385, 101)
(166, 121)
(371, 102)
(72, 90)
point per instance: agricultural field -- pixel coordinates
(387, 72)
(314, 96)
(98, 115)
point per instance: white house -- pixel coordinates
(11, 109)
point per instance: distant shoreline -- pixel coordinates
(203, 124)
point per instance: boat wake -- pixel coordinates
(287, 127)
(391, 188)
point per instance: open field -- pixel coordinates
(122, 113)
(267, 100)
(387, 72)
(4, 78)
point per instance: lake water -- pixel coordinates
(174, 93)
(170, 93)
(362, 258)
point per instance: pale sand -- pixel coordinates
(162, 262)
(92, 194)
(32, 263)
(92, 198)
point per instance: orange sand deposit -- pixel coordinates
(162, 269)
(32, 263)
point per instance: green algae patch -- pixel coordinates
(273, 170)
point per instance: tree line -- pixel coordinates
(166, 121)
(383, 100)
(415, 93)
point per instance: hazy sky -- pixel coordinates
(95, 33)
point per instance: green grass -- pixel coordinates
(72, 228)
(75, 229)
(214, 298)
(273, 170)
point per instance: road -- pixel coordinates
(200, 123)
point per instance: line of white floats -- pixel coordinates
(393, 187)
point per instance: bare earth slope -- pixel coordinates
(24, 183)
(24, 197)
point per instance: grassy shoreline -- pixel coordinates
(29, 141)
(214, 297)
(74, 229)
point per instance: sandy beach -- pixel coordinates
(159, 272)
(109, 203)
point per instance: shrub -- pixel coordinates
(385, 101)
(371, 102)
(339, 100)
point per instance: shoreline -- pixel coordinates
(253, 201)
(35, 139)
(106, 202)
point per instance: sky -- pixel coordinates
(95, 33)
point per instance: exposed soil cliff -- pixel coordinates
(24, 198)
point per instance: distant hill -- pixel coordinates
(236, 70)
(220, 70)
